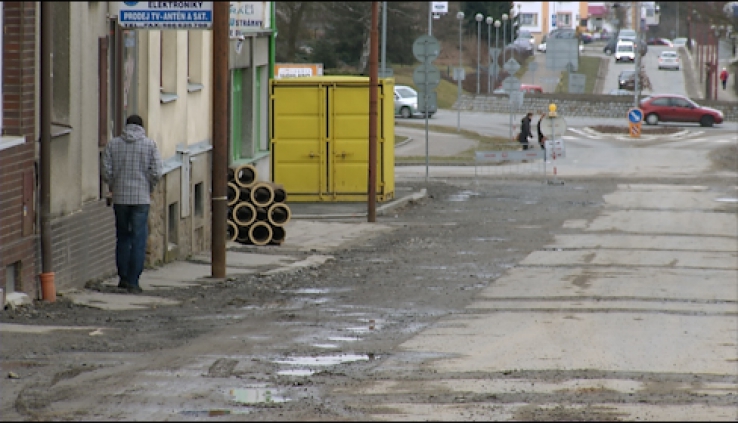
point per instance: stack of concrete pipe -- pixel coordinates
(257, 212)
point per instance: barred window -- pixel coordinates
(528, 19)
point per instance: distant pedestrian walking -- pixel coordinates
(541, 137)
(132, 167)
(525, 133)
(724, 77)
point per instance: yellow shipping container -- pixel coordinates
(320, 138)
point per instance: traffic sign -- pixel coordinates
(635, 129)
(553, 126)
(516, 98)
(511, 84)
(175, 15)
(426, 48)
(635, 115)
(432, 102)
(426, 75)
(577, 81)
(459, 74)
(511, 66)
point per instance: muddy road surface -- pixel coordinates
(456, 312)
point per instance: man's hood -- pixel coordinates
(133, 133)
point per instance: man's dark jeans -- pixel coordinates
(131, 231)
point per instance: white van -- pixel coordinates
(625, 51)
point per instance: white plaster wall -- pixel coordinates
(535, 7)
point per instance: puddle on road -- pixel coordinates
(489, 239)
(326, 346)
(325, 360)
(343, 338)
(311, 291)
(727, 200)
(296, 372)
(255, 396)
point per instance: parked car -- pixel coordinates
(659, 42)
(669, 59)
(542, 46)
(586, 37)
(612, 45)
(680, 42)
(620, 91)
(524, 43)
(626, 80)
(625, 51)
(677, 108)
(406, 102)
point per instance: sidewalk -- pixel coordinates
(697, 91)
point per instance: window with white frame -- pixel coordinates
(563, 19)
(529, 19)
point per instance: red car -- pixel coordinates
(677, 108)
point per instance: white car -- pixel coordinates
(669, 59)
(542, 47)
(625, 51)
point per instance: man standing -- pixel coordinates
(525, 133)
(132, 167)
(724, 77)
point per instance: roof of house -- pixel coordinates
(596, 10)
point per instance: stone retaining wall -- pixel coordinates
(592, 105)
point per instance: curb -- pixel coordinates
(381, 211)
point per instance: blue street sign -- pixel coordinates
(635, 115)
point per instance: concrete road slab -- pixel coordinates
(627, 258)
(522, 411)
(107, 301)
(307, 235)
(635, 283)
(665, 200)
(643, 242)
(241, 259)
(666, 222)
(654, 305)
(617, 342)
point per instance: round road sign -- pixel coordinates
(553, 126)
(635, 115)
(426, 48)
(426, 74)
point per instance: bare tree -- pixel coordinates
(291, 17)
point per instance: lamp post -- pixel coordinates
(489, 45)
(514, 24)
(504, 32)
(460, 17)
(478, 18)
(497, 47)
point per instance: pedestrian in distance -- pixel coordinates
(541, 137)
(132, 167)
(525, 133)
(724, 77)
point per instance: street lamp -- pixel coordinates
(504, 35)
(478, 18)
(460, 17)
(497, 47)
(489, 45)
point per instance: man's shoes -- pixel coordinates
(122, 284)
(134, 289)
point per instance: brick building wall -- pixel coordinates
(18, 239)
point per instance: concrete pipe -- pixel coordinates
(262, 214)
(232, 229)
(243, 235)
(278, 235)
(280, 195)
(279, 214)
(231, 175)
(245, 195)
(262, 194)
(233, 193)
(260, 233)
(245, 175)
(244, 214)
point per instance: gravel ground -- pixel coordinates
(390, 285)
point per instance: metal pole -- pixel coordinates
(220, 139)
(384, 38)
(479, 37)
(504, 50)
(677, 19)
(489, 44)
(46, 88)
(497, 49)
(430, 18)
(715, 66)
(458, 81)
(636, 90)
(373, 96)
(425, 108)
